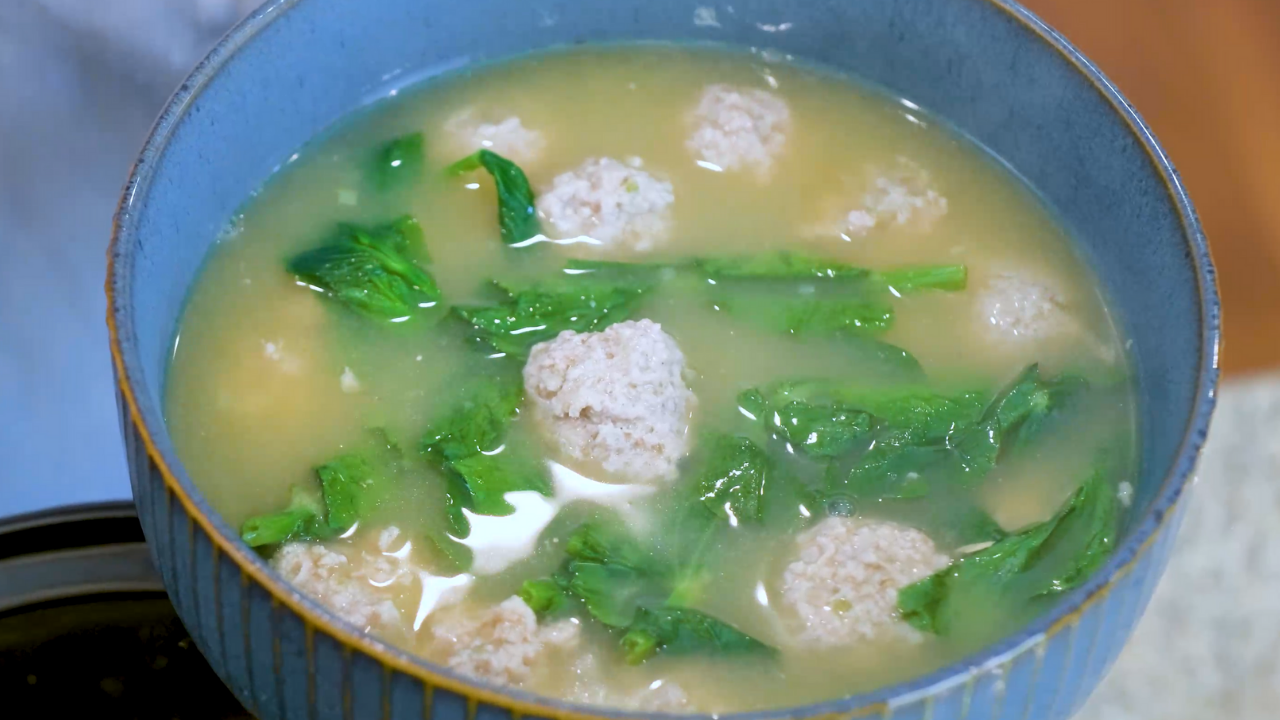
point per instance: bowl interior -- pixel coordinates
(986, 67)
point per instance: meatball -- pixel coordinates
(509, 138)
(738, 128)
(617, 205)
(903, 196)
(616, 397)
(358, 585)
(1012, 306)
(500, 644)
(843, 584)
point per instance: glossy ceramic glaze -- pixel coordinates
(990, 68)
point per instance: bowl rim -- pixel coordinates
(880, 701)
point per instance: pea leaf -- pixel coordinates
(834, 317)
(895, 469)
(1091, 514)
(889, 362)
(1073, 543)
(966, 523)
(791, 265)
(350, 485)
(611, 593)
(612, 573)
(823, 430)
(734, 477)
(345, 481)
(915, 412)
(925, 439)
(517, 217)
(640, 276)
(478, 421)
(303, 519)
(597, 543)
(681, 631)
(397, 162)
(527, 317)
(905, 280)
(365, 268)
(624, 586)
(808, 317)
(488, 478)
(1023, 408)
(544, 596)
(782, 264)
(466, 444)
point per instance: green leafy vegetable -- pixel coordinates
(734, 478)
(488, 478)
(808, 296)
(1091, 514)
(753, 404)
(596, 543)
(612, 573)
(366, 269)
(345, 481)
(348, 489)
(544, 596)
(1042, 560)
(457, 497)
(682, 631)
(834, 317)
(640, 276)
(303, 519)
(938, 440)
(902, 466)
(921, 604)
(895, 470)
(700, 534)
(527, 317)
(1022, 410)
(925, 277)
(778, 265)
(398, 162)
(971, 448)
(915, 413)
(517, 218)
(888, 361)
(478, 421)
(623, 585)
(467, 444)
(612, 593)
(791, 265)
(354, 483)
(808, 317)
(821, 430)
(913, 439)
(967, 524)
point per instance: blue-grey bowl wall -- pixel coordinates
(989, 68)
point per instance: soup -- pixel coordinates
(658, 378)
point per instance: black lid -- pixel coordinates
(86, 629)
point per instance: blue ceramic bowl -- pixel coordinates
(990, 68)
